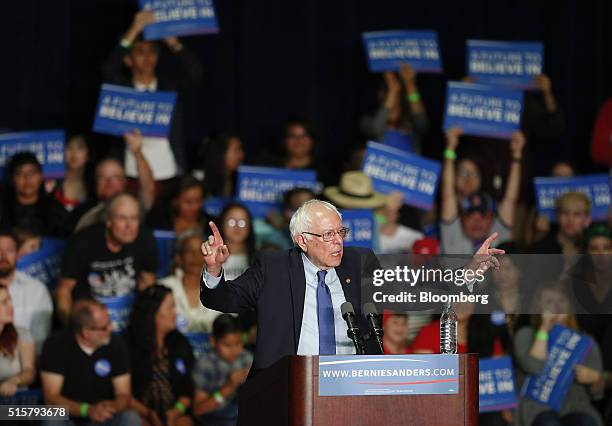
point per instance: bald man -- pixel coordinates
(110, 259)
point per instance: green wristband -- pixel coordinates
(84, 409)
(541, 335)
(180, 406)
(218, 397)
(414, 97)
(449, 154)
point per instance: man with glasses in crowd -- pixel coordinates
(297, 293)
(86, 368)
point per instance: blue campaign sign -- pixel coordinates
(387, 49)
(44, 264)
(200, 343)
(362, 227)
(483, 110)
(122, 109)
(399, 139)
(506, 63)
(119, 309)
(497, 388)
(165, 248)
(47, 145)
(180, 17)
(261, 189)
(596, 187)
(388, 375)
(566, 348)
(394, 170)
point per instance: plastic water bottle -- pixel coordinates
(448, 330)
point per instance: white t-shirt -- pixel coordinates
(32, 307)
(199, 318)
(156, 150)
(400, 242)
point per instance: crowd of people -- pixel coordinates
(109, 202)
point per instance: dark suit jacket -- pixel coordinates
(275, 287)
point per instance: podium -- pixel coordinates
(287, 393)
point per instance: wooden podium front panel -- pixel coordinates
(287, 393)
(389, 410)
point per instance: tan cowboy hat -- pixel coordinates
(355, 192)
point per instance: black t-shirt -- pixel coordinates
(102, 273)
(87, 378)
(46, 217)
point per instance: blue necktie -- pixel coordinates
(325, 316)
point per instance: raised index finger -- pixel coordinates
(215, 232)
(488, 241)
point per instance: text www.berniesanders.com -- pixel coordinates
(396, 372)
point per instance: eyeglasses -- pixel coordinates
(240, 223)
(105, 327)
(468, 174)
(329, 235)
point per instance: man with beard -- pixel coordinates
(31, 299)
(86, 368)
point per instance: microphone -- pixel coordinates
(348, 313)
(369, 311)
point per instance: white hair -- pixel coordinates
(301, 220)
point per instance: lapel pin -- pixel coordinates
(347, 281)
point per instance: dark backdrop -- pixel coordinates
(279, 58)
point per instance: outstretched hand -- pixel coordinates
(485, 258)
(215, 251)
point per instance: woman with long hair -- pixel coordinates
(161, 359)
(76, 186)
(237, 232)
(185, 284)
(185, 212)
(16, 350)
(222, 156)
(531, 351)
(399, 109)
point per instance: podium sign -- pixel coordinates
(388, 375)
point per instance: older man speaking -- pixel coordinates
(297, 294)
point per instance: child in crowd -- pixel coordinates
(219, 373)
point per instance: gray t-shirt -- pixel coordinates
(454, 241)
(11, 365)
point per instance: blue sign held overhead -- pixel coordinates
(261, 189)
(505, 63)
(483, 110)
(361, 225)
(388, 375)
(213, 206)
(122, 109)
(179, 18)
(566, 348)
(596, 187)
(497, 388)
(387, 49)
(394, 170)
(47, 145)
